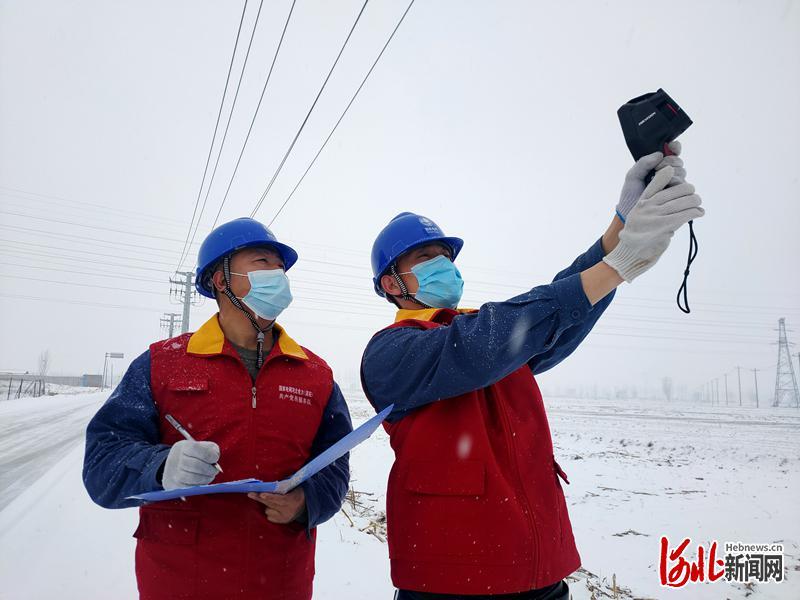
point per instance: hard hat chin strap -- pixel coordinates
(403, 288)
(226, 273)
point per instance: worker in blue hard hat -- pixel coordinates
(250, 244)
(475, 505)
(257, 404)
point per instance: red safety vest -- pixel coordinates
(474, 502)
(222, 546)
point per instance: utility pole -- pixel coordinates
(755, 378)
(785, 379)
(168, 322)
(725, 376)
(183, 291)
(716, 389)
(739, 376)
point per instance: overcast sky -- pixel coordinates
(495, 119)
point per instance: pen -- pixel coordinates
(174, 422)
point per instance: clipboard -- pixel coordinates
(311, 468)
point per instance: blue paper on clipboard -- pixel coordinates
(314, 466)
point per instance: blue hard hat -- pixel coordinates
(403, 233)
(230, 237)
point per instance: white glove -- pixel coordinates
(634, 180)
(190, 463)
(660, 212)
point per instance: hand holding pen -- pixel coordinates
(190, 462)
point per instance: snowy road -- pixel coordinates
(35, 433)
(638, 470)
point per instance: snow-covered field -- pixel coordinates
(638, 470)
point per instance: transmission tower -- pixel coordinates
(182, 291)
(168, 322)
(786, 393)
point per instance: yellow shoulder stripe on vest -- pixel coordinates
(209, 339)
(420, 314)
(288, 345)
(423, 314)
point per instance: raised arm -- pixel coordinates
(411, 367)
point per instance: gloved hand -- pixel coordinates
(651, 224)
(190, 463)
(634, 180)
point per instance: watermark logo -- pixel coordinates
(753, 562)
(741, 562)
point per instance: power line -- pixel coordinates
(734, 324)
(360, 313)
(43, 198)
(346, 327)
(310, 110)
(300, 285)
(81, 260)
(726, 292)
(86, 285)
(92, 240)
(491, 285)
(255, 113)
(331, 305)
(93, 227)
(325, 143)
(731, 338)
(122, 213)
(322, 287)
(591, 343)
(161, 252)
(227, 126)
(657, 303)
(104, 274)
(345, 297)
(81, 251)
(87, 218)
(725, 305)
(214, 136)
(81, 302)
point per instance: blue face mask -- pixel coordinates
(440, 283)
(269, 292)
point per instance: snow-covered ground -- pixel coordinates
(36, 432)
(638, 470)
